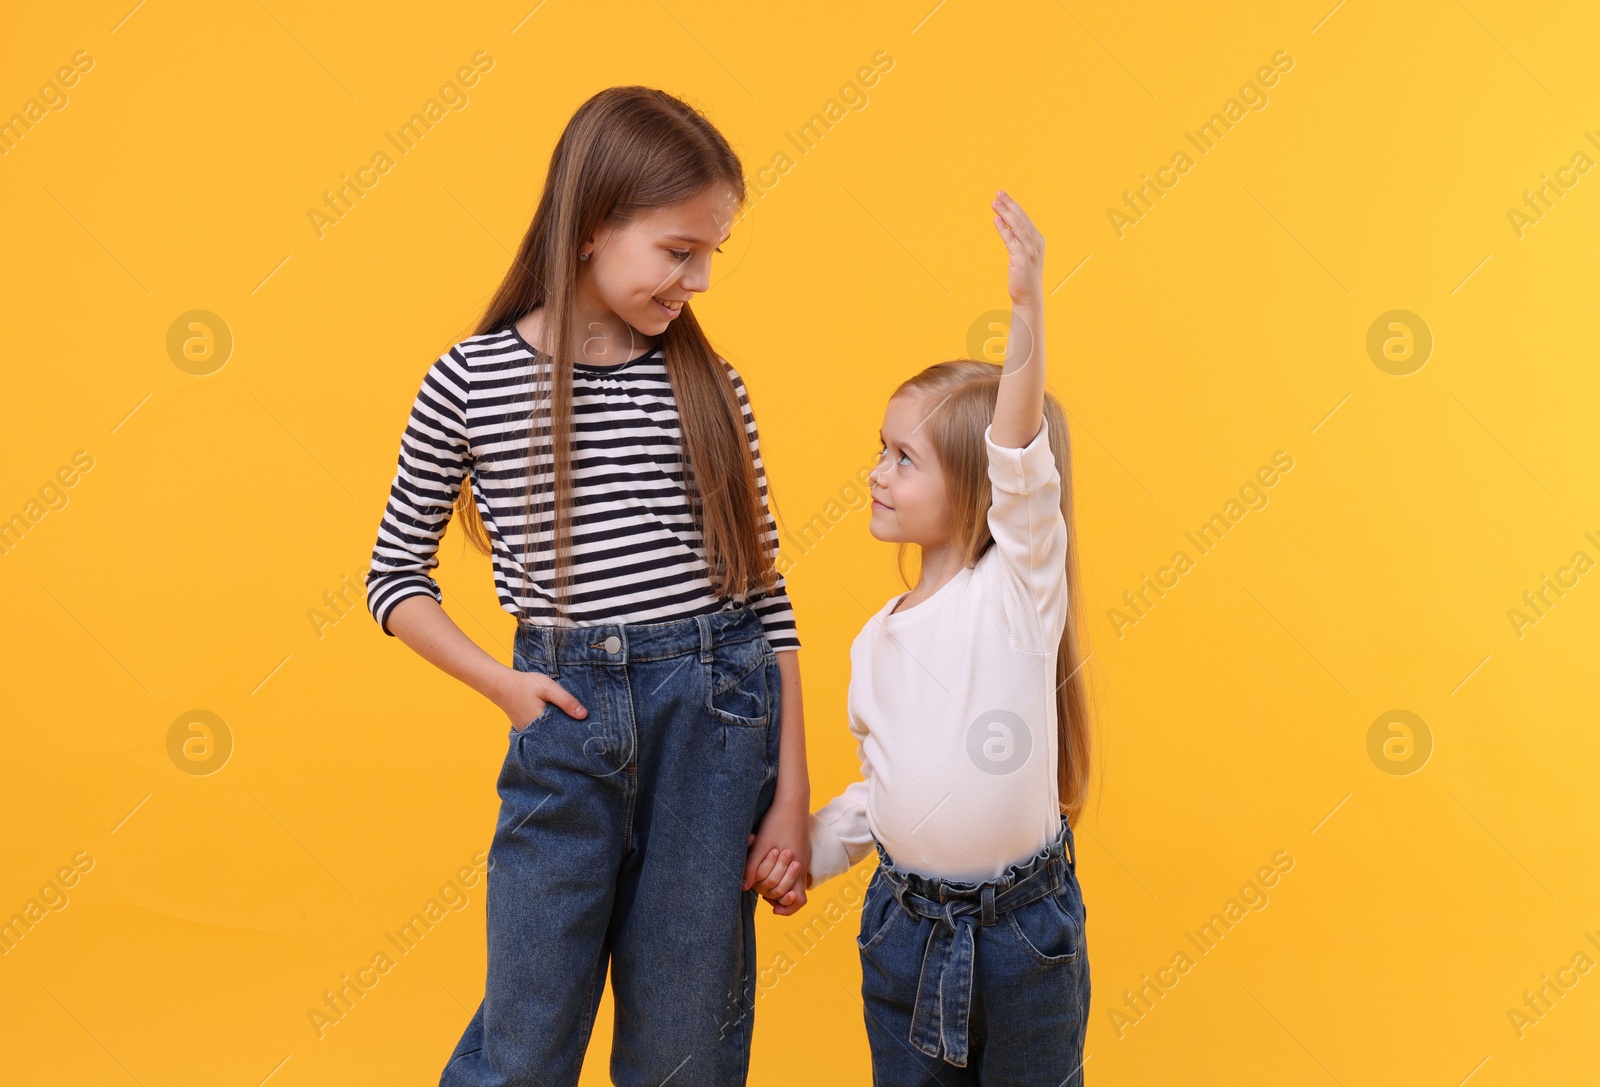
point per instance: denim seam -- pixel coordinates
(774, 682)
(463, 1055)
(629, 769)
(630, 790)
(588, 1016)
(747, 1003)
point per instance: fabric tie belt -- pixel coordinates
(944, 990)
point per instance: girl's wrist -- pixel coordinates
(496, 686)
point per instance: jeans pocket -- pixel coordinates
(737, 691)
(544, 715)
(1046, 929)
(879, 911)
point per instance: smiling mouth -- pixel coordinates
(668, 306)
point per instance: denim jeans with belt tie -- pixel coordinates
(968, 983)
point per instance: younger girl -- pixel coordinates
(596, 446)
(971, 725)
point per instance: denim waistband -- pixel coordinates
(944, 988)
(618, 643)
(1061, 851)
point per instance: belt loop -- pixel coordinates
(988, 905)
(704, 623)
(898, 889)
(550, 650)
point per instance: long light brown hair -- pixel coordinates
(963, 394)
(625, 150)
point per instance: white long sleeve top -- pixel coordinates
(952, 701)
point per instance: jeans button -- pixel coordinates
(613, 644)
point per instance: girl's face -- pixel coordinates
(645, 269)
(909, 500)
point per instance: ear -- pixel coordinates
(597, 240)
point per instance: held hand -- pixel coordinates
(779, 856)
(776, 875)
(525, 695)
(1024, 250)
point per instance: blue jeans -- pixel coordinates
(621, 839)
(977, 983)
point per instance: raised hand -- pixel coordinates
(1019, 408)
(1024, 248)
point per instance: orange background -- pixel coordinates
(1246, 713)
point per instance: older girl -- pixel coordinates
(607, 458)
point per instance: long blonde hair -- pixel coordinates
(627, 149)
(964, 393)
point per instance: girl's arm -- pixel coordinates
(780, 851)
(435, 455)
(1025, 518)
(402, 595)
(423, 626)
(773, 607)
(794, 780)
(1019, 411)
(841, 836)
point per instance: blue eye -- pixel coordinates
(882, 449)
(677, 255)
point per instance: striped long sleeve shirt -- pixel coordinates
(635, 552)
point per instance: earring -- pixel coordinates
(583, 256)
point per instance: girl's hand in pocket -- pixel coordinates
(526, 694)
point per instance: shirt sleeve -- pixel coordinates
(1030, 539)
(839, 831)
(434, 456)
(771, 606)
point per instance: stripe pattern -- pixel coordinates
(637, 556)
